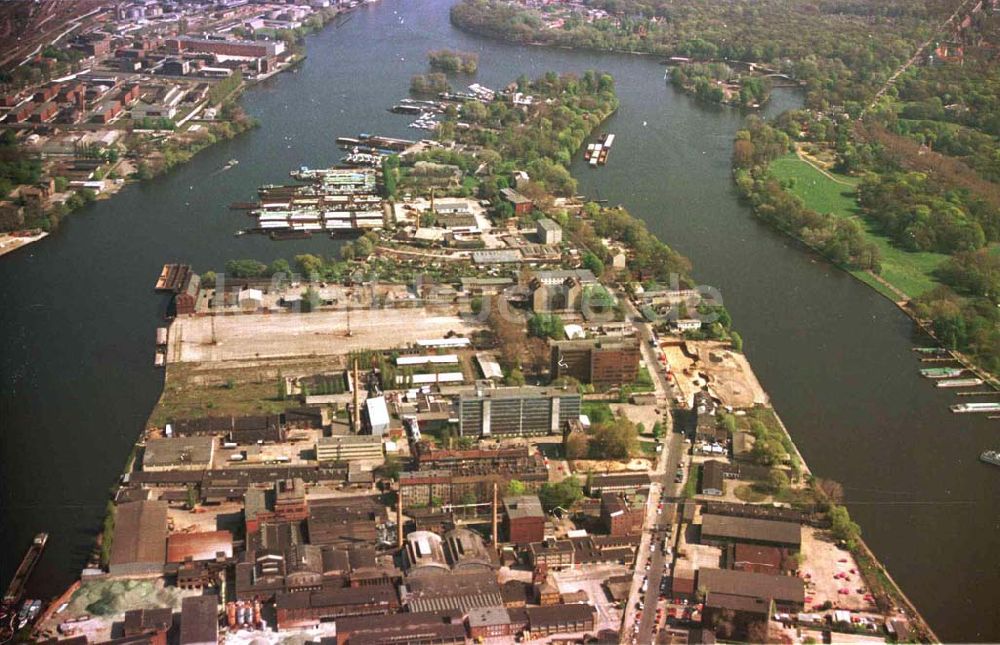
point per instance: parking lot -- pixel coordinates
(831, 572)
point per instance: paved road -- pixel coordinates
(658, 560)
(662, 486)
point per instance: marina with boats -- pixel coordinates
(951, 377)
(333, 201)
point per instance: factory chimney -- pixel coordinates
(496, 533)
(357, 399)
(399, 519)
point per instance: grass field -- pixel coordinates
(911, 273)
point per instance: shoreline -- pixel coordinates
(10, 242)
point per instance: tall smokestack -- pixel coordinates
(357, 399)
(399, 519)
(496, 533)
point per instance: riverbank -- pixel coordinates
(10, 242)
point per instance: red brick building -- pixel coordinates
(524, 519)
(489, 622)
(619, 517)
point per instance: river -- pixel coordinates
(79, 313)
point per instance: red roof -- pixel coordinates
(199, 546)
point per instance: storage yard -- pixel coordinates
(321, 333)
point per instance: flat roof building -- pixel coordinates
(548, 231)
(787, 592)
(200, 546)
(349, 447)
(623, 482)
(560, 619)
(441, 628)
(180, 453)
(376, 416)
(602, 362)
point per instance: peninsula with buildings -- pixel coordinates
(503, 414)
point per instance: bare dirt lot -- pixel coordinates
(726, 373)
(823, 562)
(321, 333)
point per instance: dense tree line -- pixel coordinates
(919, 214)
(841, 49)
(16, 167)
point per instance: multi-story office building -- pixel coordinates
(516, 411)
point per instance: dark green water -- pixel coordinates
(79, 313)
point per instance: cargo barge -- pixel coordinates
(597, 153)
(15, 590)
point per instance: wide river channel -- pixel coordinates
(79, 315)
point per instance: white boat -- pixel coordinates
(966, 408)
(959, 382)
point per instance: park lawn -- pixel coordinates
(910, 272)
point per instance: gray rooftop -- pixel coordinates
(523, 506)
(178, 451)
(548, 224)
(486, 616)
